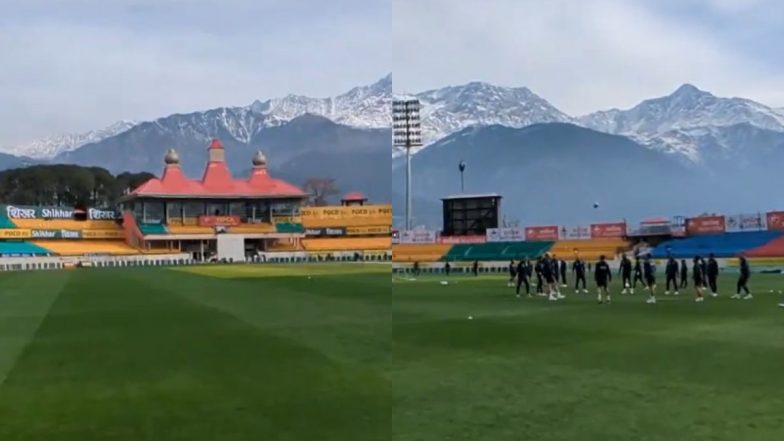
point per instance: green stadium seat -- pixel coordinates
(497, 251)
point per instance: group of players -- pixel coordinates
(551, 276)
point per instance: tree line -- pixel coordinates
(66, 185)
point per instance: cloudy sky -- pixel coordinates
(75, 65)
(593, 54)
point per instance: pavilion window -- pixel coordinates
(238, 209)
(193, 209)
(153, 212)
(138, 210)
(174, 211)
(216, 208)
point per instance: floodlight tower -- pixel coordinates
(407, 134)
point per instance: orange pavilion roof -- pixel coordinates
(216, 181)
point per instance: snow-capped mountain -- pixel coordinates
(677, 123)
(364, 106)
(451, 109)
(367, 106)
(50, 147)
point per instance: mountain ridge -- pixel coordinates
(366, 106)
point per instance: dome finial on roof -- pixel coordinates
(259, 160)
(171, 157)
(216, 144)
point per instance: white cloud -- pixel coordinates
(582, 56)
(87, 66)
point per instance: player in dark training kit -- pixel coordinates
(637, 274)
(743, 280)
(712, 273)
(698, 274)
(625, 271)
(578, 268)
(512, 272)
(555, 269)
(522, 277)
(538, 268)
(684, 274)
(671, 273)
(649, 271)
(603, 277)
(564, 282)
(550, 272)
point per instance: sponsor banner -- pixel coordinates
(775, 220)
(281, 220)
(25, 212)
(96, 214)
(56, 234)
(417, 236)
(746, 222)
(505, 234)
(615, 229)
(360, 231)
(17, 212)
(102, 234)
(463, 239)
(542, 233)
(325, 231)
(577, 232)
(705, 225)
(14, 233)
(219, 221)
(355, 211)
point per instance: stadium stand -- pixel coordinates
(86, 247)
(152, 229)
(285, 245)
(773, 248)
(497, 251)
(288, 227)
(189, 229)
(722, 245)
(21, 249)
(589, 249)
(430, 252)
(347, 244)
(67, 224)
(253, 228)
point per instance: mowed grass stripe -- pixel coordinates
(531, 369)
(346, 317)
(285, 270)
(119, 359)
(25, 299)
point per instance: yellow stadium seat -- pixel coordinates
(345, 222)
(284, 245)
(83, 247)
(347, 244)
(327, 217)
(67, 224)
(589, 249)
(189, 229)
(425, 252)
(252, 228)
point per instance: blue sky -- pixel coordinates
(76, 65)
(595, 54)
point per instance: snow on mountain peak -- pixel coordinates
(52, 146)
(453, 108)
(367, 106)
(674, 123)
